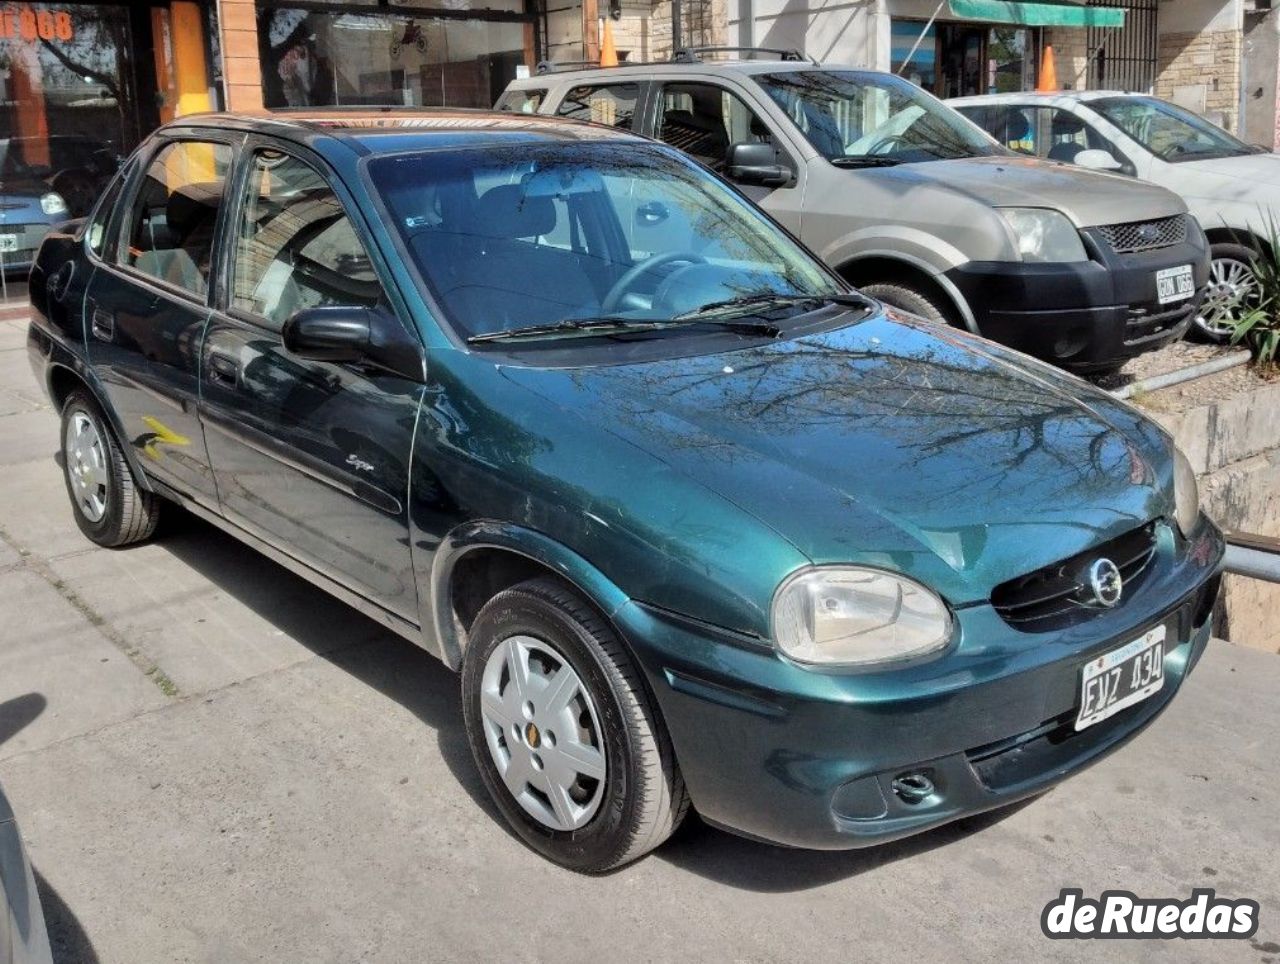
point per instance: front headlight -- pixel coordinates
(848, 615)
(52, 203)
(1043, 234)
(1186, 493)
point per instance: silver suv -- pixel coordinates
(912, 203)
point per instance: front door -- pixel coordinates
(312, 457)
(147, 305)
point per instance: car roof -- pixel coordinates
(648, 69)
(1081, 96)
(375, 131)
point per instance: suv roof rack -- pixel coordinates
(693, 55)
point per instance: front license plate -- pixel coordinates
(1121, 678)
(1175, 284)
(8, 242)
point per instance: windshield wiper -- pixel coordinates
(864, 160)
(768, 298)
(569, 327)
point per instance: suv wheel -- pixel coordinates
(110, 508)
(1233, 290)
(910, 299)
(566, 738)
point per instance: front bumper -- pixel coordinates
(809, 759)
(1090, 315)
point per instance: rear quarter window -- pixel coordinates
(527, 101)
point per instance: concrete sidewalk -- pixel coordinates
(213, 761)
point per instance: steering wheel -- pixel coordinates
(640, 268)
(887, 142)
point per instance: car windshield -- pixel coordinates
(513, 237)
(855, 117)
(1168, 131)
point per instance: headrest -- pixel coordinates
(1016, 125)
(191, 206)
(1066, 125)
(510, 211)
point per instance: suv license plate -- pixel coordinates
(1121, 678)
(8, 242)
(1175, 284)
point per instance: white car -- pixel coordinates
(1231, 187)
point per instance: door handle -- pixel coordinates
(103, 324)
(224, 369)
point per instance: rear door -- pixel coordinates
(147, 305)
(312, 457)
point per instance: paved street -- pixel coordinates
(213, 761)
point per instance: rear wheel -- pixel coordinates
(566, 738)
(908, 298)
(110, 508)
(1233, 291)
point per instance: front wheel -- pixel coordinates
(1232, 292)
(565, 735)
(910, 299)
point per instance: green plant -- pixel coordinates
(1259, 327)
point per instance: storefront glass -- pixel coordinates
(315, 58)
(956, 59)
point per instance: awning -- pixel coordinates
(1037, 14)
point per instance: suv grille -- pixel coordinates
(1145, 235)
(1059, 595)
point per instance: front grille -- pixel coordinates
(1145, 235)
(1059, 595)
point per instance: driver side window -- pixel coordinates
(704, 120)
(296, 247)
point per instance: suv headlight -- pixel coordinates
(52, 203)
(1043, 234)
(849, 615)
(1186, 493)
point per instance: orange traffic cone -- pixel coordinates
(608, 53)
(1048, 73)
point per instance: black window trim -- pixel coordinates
(147, 158)
(112, 226)
(640, 120)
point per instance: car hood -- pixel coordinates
(890, 443)
(1088, 198)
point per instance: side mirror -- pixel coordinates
(345, 335)
(1097, 160)
(751, 163)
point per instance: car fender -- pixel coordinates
(602, 592)
(922, 251)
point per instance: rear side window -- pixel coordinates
(170, 225)
(612, 104)
(521, 101)
(295, 246)
(96, 236)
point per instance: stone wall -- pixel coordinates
(1201, 71)
(1234, 446)
(240, 55)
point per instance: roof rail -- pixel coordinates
(693, 55)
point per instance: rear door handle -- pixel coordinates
(224, 369)
(103, 324)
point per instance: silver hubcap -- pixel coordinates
(86, 466)
(543, 732)
(1231, 288)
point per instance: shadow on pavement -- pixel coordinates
(16, 713)
(423, 685)
(67, 939)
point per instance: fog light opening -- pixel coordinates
(913, 787)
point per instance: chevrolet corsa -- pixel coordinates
(698, 524)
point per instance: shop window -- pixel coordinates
(403, 57)
(296, 248)
(612, 104)
(913, 52)
(703, 120)
(173, 217)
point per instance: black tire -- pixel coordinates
(130, 512)
(1200, 329)
(926, 305)
(643, 797)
